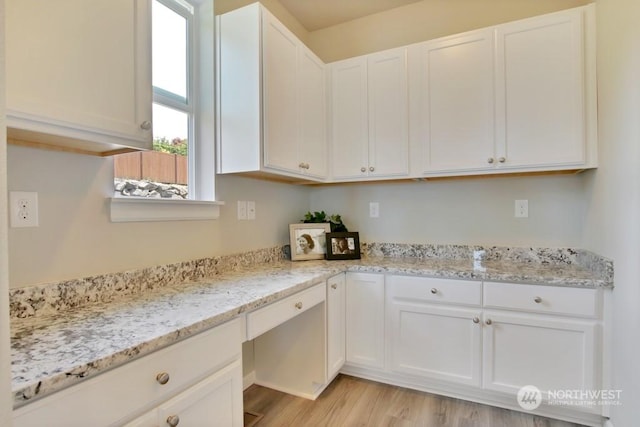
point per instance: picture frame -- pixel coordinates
(344, 245)
(308, 240)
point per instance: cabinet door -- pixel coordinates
(540, 90)
(280, 103)
(442, 343)
(70, 74)
(215, 401)
(457, 102)
(547, 352)
(313, 123)
(350, 133)
(388, 113)
(335, 324)
(365, 319)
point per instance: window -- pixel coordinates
(181, 165)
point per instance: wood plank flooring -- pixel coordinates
(354, 402)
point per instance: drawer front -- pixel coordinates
(432, 290)
(542, 299)
(265, 318)
(134, 387)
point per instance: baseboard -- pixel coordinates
(248, 380)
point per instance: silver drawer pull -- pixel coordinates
(488, 321)
(298, 305)
(146, 125)
(434, 291)
(538, 300)
(476, 320)
(173, 420)
(334, 286)
(162, 378)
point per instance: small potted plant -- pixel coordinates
(335, 221)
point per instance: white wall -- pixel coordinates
(613, 191)
(466, 211)
(76, 239)
(5, 359)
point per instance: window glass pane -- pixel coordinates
(169, 38)
(170, 130)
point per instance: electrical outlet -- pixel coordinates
(522, 209)
(242, 209)
(251, 210)
(374, 210)
(24, 209)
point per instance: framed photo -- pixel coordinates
(343, 246)
(308, 241)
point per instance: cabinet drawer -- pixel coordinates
(426, 289)
(542, 299)
(263, 319)
(127, 390)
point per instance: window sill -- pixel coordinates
(132, 209)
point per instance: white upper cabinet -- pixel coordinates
(456, 101)
(518, 97)
(540, 88)
(79, 73)
(272, 108)
(370, 116)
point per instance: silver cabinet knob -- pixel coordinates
(301, 165)
(146, 125)
(502, 160)
(298, 305)
(490, 160)
(334, 286)
(162, 378)
(173, 420)
(538, 300)
(434, 291)
(371, 168)
(488, 321)
(306, 166)
(363, 169)
(476, 320)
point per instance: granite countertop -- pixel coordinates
(57, 349)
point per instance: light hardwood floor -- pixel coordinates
(351, 402)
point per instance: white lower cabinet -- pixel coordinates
(365, 318)
(216, 402)
(429, 335)
(199, 380)
(336, 321)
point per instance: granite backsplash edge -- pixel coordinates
(49, 298)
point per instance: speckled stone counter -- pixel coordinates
(64, 332)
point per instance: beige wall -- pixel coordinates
(469, 211)
(421, 21)
(5, 357)
(76, 238)
(612, 225)
(274, 6)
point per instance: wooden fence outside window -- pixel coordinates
(152, 166)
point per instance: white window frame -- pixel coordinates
(201, 204)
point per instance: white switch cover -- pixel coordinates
(242, 209)
(522, 209)
(24, 209)
(251, 210)
(374, 210)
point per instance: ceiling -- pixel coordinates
(317, 14)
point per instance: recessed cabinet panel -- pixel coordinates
(71, 75)
(458, 102)
(312, 146)
(540, 90)
(280, 109)
(350, 139)
(550, 353)
(388, 113)
(365, 320)
(336, 324)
